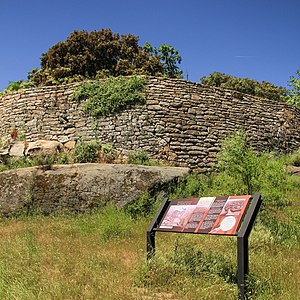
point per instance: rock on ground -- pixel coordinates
(79, 187)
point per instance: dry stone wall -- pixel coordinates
(182, 122)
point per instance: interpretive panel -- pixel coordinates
(210, 215)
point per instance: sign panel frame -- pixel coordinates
(226, 216)
(205, 215)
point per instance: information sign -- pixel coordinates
(227, 215)
(211, 215)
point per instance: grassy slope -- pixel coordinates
(102, 256)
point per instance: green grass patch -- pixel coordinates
(101, 255)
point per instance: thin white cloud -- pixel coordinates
(245, 56)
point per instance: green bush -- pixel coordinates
(111, 95)
(86, 152)
(92, 152)
(17, 85)
(272, 181)
(192, 185)
(245, 85)
(246, 171)
(294, 92)
(20, 84)
(238, 161)
(293, 159)
(141, 207)
(138, 158)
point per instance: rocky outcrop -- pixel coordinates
(37, 148)
(80, 187)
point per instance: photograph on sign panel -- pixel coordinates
(178, 214)
(231, 215)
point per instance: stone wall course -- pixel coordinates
(187, 118)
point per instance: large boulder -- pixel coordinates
(79, 187)
(43, 147)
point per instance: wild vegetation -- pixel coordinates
(253, 87)
(108, 96)
(100, 54)
(38, 260)
(85, 152)
(245, 85)
(294, 93)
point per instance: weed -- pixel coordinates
(192, 185)
(141, 207)
(110, 95)
(246, 171)
(115, 224)
(138, 158)
(94, 151)
(293, 159)
(86, 152)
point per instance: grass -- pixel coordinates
(101, 255)
(66, 257)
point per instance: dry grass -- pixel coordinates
(102, 256)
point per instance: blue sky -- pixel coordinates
(258, 39)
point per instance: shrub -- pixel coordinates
(192, 185)
(20, 84)
(245, 85)
(111, 95)
(91, 152)
(294, 92)
(272, 181)
(86, 152)
(141, 207)
(246, 171)
(294, 159)
(17, 85)
(138, 158)
(238, 160)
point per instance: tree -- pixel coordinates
(245, 85)
(168, 56)
(294, 93)
(238, 160)
(88, 55)
(247, 171)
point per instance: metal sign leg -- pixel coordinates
(150, 244)
(243, 266)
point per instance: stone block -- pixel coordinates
(17, 149)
